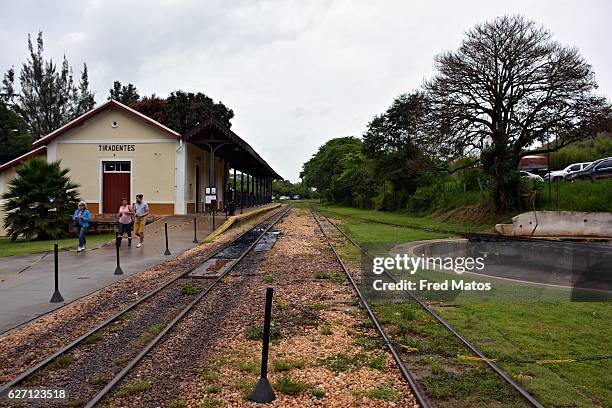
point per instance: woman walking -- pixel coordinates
(126, 218)
(81, 223)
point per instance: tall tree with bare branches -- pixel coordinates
(508, 88)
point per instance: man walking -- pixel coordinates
(141, 209)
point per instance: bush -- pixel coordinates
(531, 192)
(40, 200)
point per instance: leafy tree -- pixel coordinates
(287, 188)
(82, 95)
(393, 140)
(325, 167)
(14, 137)
(39, 201)
(47, 98)
(508, 86)
(185, 109)
(153, 107)
(357, 183)
(126, 94)
(182, 111)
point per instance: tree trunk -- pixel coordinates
(506, 191)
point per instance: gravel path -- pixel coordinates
(326, 353)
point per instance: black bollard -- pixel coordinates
(263, 390)
(213, 210)
(167, 252)
(195, 230)
(57, 297)
(118, 270)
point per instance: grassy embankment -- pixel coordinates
(21, 246)
(529, 324)
(573, 196)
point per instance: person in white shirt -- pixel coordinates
(141, 209)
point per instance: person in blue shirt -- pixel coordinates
(81, 222)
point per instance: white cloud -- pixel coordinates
(296, 73)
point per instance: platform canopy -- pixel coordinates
(213, 136)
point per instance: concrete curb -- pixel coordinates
(234, 218)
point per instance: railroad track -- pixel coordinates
(135, 330)
(416, 388)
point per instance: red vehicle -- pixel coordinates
(531, 163)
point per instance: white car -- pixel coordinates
(283, 198)
(561, 174)
(531, 176)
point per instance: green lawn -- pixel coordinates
(8, 247)
(515, 324)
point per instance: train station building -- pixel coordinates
(114, 152)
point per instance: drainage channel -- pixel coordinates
(217, 265)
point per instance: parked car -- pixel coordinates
(598, 170)
(561, 174)
(283, 198)
(531, 176)
(296, 197)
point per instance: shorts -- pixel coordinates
(139, 226)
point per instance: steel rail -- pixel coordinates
(26, 374)
(412, 382)
(502, 374)
(128, 367)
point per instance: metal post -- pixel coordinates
(195, 230)
(118, 270)
(241, 190)
(213, 210)
(558, 193)
(247, 190)
(253, 190)
(263, 390)
(57, 297)
(235, 188)
(549, 181)
(167, 252)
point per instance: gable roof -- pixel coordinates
(106, 105)
(36, 152)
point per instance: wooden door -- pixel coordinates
(115, 186)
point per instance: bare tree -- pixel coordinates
(508, 87)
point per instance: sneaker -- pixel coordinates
(79, 249)
(140, 245)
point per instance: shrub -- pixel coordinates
(40, 200)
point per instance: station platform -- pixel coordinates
(26, 281)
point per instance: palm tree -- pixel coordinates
(39, 200)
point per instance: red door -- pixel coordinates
(115, 186)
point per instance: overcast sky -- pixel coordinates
(296, 74)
